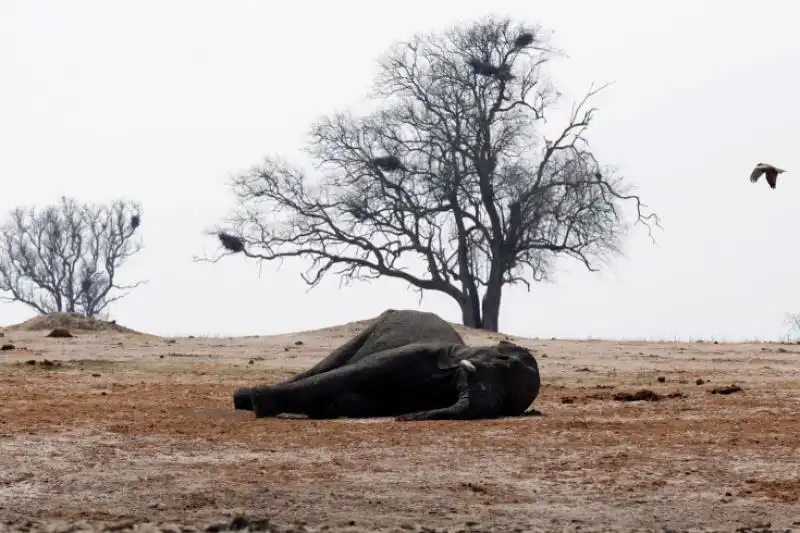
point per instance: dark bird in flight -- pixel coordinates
(770, 173)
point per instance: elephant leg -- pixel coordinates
(241, 399)
(341, 355)
(270, 402)
(374, 378)
(350, 405)
(264, 402)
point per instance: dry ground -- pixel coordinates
(122, 426)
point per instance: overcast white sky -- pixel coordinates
(161, 101)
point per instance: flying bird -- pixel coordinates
(770, 172)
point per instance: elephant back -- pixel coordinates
(399, 328)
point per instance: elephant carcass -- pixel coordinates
(419, 381)
(391, 329)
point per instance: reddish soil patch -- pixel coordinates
(122, 427)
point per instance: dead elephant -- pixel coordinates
(418, 380)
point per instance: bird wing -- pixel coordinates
(757, 173)
(772, 177)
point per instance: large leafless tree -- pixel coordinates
(452, 185)
(66, 257)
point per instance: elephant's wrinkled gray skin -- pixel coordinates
(420, 381)
(390, 329)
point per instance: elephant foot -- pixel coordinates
(242, 399)
(264, 402)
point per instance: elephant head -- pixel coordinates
(500, 380)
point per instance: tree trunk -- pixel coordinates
(470, 313)
(491, 305)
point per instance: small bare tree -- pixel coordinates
(792, 320)
(454, 171)
(66, 256)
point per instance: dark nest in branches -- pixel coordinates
(388, 163)
(135, 221)
(523, 40)
(232, 243)
(503, 73)
(485, 68)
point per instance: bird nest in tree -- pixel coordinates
(523, 40)
(70, 321)
(232, 243)
(388, 163)
(485, 68)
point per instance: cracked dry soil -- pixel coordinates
(128, 432)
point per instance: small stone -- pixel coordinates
(662, 379)
(640, 395)
(217, 527)
(96, 375)
(7, 347)
(170, 528)
(699, 381)
(298, 343)
(727, 390)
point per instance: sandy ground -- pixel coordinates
(120, 429)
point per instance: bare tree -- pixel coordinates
(793, 321)
(66, 256)
(451, 186)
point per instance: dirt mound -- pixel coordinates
(70, 321)
(350, 329)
